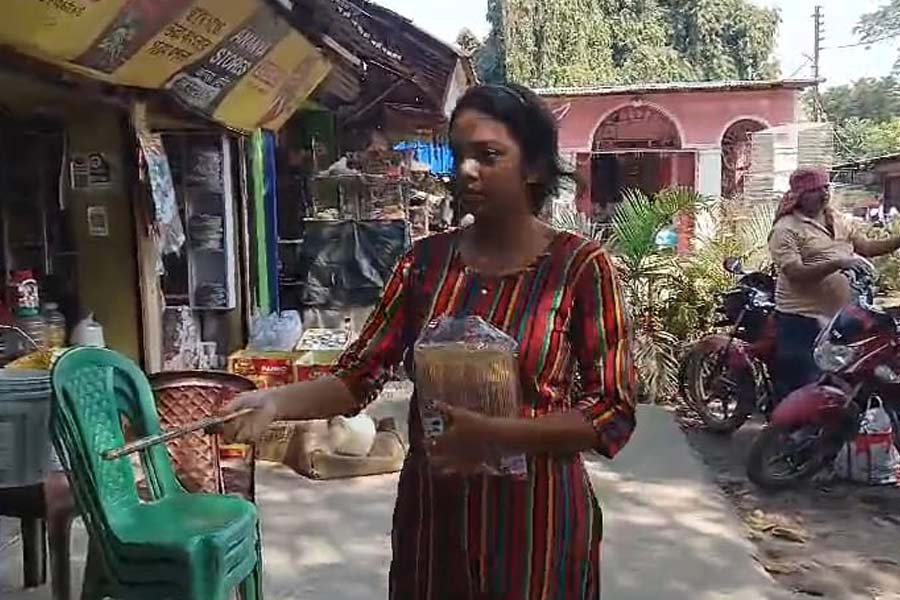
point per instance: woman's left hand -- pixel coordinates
(465, 440)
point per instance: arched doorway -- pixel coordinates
(736, 155)
(637, 146)
(637, 127)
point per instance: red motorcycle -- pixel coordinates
(725, 377)
(858, 355)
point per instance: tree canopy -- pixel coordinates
(866, 115)
(582, 42)
(880, 25)
(863, 138)
(867, 98)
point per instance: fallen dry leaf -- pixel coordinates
(808, 591)
(780, 569)
(758, 521)
(791, 535)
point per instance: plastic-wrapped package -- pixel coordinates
(276, 332)
(468, 363)
(181, 339)
(167, 213)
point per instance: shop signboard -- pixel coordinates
(237, 62)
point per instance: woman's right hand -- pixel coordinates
(854, 263)
(250, 427)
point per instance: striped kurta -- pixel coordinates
(490, 538)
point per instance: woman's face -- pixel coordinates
(814, 201)
(491, 177)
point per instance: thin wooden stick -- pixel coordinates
(173, 434)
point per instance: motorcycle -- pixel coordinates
(857, 353)
(725, 377)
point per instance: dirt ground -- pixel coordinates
(826, 540)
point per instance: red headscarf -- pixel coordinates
(802, 181)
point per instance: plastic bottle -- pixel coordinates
(88, 332)
(348, 329)
(54, 326)
(33, 326)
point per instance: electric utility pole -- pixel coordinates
(819, 19)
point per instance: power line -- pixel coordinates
(806, 61)
(846, 151)
(877, 40)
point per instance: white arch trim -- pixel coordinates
(765, 124)
(639, 102)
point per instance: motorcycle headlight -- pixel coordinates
(833, 358)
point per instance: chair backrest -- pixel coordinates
(94, 390)
(186, 396)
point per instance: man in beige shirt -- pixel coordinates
(812, 246)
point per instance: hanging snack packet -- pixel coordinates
(468, 363)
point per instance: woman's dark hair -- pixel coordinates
(531, 124)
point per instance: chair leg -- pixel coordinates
(251, 587)
(34, 552)
(60, 514)
(59, 530)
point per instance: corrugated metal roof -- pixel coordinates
(679, 87)
(374, 6)
(868, 163)
(385, 38)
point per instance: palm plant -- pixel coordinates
(672, 297)
(571, 220)
(650, 277)
(737, 230)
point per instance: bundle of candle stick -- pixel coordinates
(210, 424)
(467, 363)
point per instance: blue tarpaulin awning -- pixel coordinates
(436, 155)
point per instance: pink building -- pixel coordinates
(654, 136)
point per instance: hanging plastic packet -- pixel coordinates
(167, 215)
(468, 363)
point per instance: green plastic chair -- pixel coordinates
(177, 545)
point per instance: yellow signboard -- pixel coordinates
(56, 30)
(189, 33)
(235, 61)
(279, 84)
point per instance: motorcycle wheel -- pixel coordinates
(784, 457)
(705, 391)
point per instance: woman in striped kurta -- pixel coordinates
(476, 537)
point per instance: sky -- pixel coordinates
(839, 65)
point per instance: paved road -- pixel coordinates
(670, 535)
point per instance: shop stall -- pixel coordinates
(38, 254)
(67, 233)
(202, 320)
(359, 216)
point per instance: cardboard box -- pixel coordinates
(315, 363)
(319, 339)
(265, 369)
